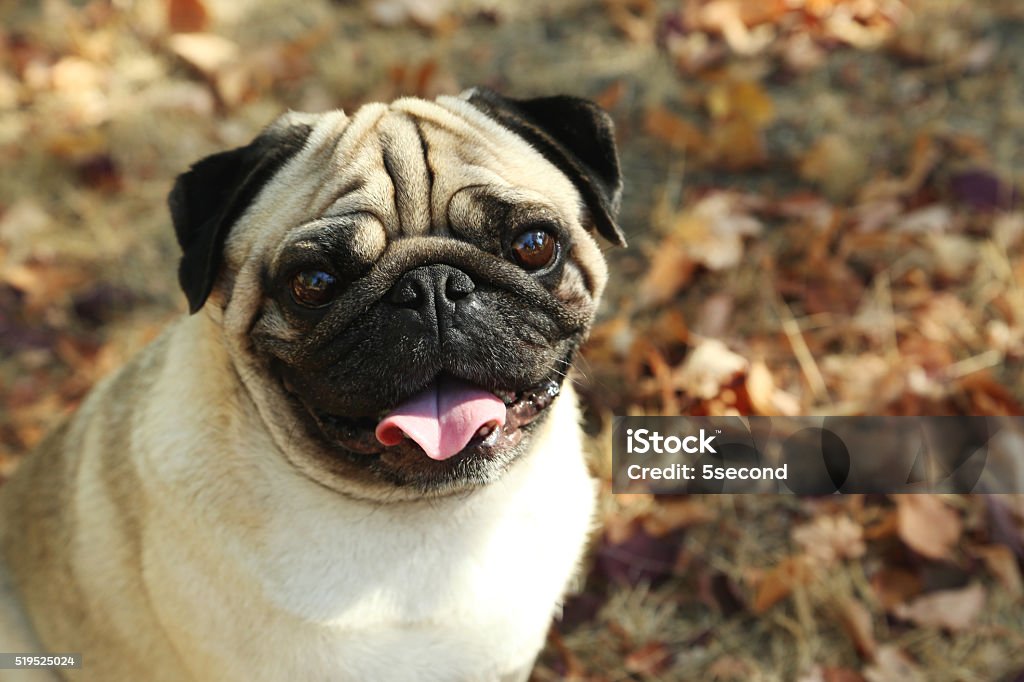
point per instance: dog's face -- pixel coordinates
(402, 291)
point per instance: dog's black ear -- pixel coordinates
(575, 135)
(212, 195)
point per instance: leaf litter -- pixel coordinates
(823, 197)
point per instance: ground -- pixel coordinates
(822, 204)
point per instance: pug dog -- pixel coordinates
(359, 457)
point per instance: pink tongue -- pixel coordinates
(442, 418)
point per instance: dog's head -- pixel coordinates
(403, 290)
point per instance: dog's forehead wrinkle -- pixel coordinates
(402, 151)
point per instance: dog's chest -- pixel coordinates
(455, 590)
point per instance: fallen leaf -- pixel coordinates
(726, 668)
(672, 129)
(712, 231)
(935, 219)
(426, 13)
(1002, 563)
(709, 367)
(641, 558)
(927, 525)
(892, 664)
(983, 190)
(101, 173)
(76, 75)
(671, 269)
(856, 620)
(828, 539)
(895, 586)
(833, 674)
(726, 17)
(952, 610)
(836, 165)
(741, 100)
(651, 659)
(187, 16)
(779, 582)
(736, 145)
(43, 283)
(765, 397)
(208, 53)
(672, 515)
(636, 19)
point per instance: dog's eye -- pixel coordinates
(534, 249)
(313, 288)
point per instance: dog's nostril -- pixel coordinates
(408, 293)
(459, 285)
(420, 287)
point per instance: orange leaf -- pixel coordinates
(186, 16)
(778, 583)
(650, 659)
(671, 269)
(674, 130)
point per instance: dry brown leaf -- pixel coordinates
(636, 19)
(766, 397)
(187, 16)
(43, 283)
(426, 13)
(730, 668)
(891, 664)
(887, 526)
(727, 17)
(22, 224)
(736, 145)
(206, 52)
(836, 165)
(76, 75)
(712, 232)
(672, 129)
(856, 621)
(672, 515)
(779, 582)
(651, 659)
(895, 586)
(952, 610)
(832, 674)
(1002, 563)
(828, 539)
(927, 525)
(756, 12)
(741, 100)
(670, 271)
(709, 367)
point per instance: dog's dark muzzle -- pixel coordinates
(431, 299)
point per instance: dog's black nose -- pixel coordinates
(433, 291)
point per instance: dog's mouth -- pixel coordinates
(448, 418)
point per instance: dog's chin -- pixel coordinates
(354, 450)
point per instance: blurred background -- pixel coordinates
(823, 202)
